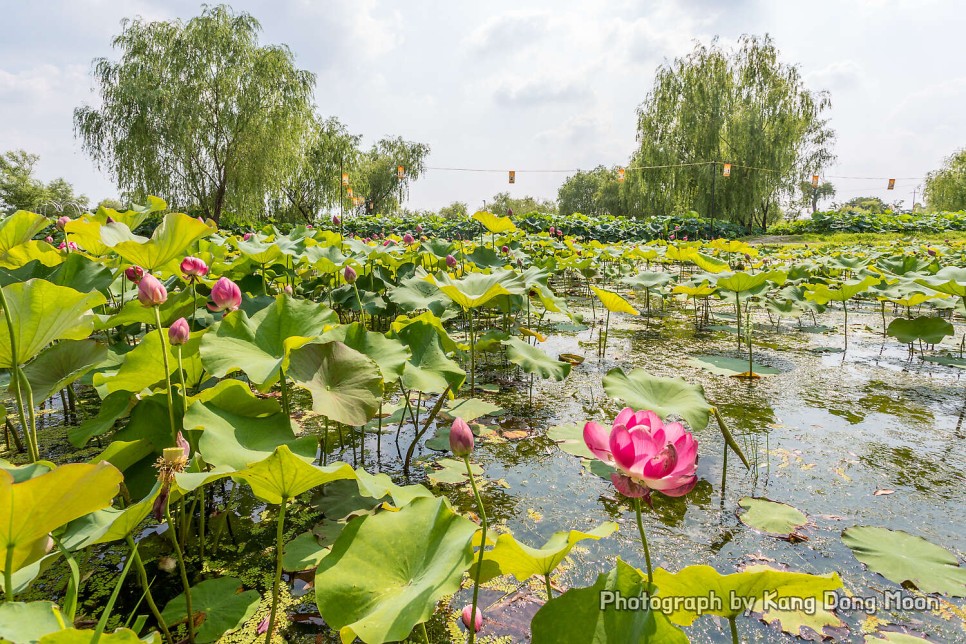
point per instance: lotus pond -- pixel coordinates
(313, 437)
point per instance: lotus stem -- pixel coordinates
(8, 575)
(362, 313)
(640, 529)
(167, 372)
(102, 622)
(546, 579)
(425, 634)
(182, 569)
(184, 386)
(729, 438)
(279, 542)
(479, 562)
(285, 402)
(734, 630)
(143, 575)
(32, 448)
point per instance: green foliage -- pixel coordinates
(946, 187)
(594, 192)
(863, 221)
(20, 190)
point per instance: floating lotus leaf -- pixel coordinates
(535, 360)
(220, 606)
(664, 396)
(469, 409)
(904, 558)
(770, 516)
(570, 438)
(577, 615)
(386, 572)
(800, 623)
(726, 366)
(261, 345)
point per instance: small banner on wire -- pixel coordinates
(513, 176)
(345, 178)
(620, 174)
(815, 181)
(400, 172)
(892, 184)
(726, 170)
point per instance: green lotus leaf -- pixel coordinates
(143, 366)
(469, 409)
(929, 329)
(82, 274)
(534, 360)
(902, 264)
(823, 294)
(346, 386)
(26, 623)
(387, 571)
(904, 558)
(614, 302)
(220, 606)
(799, 622)
(709, 263)
(114, 407)
(234, 439)
(450, 471)
(770, 516)
(577, 615)
(304, 552)
(120, 636)
(40, 313)
(61, 364)
(429, 369)
(511, 557)
(648, 279)
(31, 509)
(17, 229)
(570, 438)
(261, 345)
(170, 241)
(283, 475)
(726, 366)
(950, 280)
(260, 252)
(663, 396)
(476, 289)
(21, 473)
(389, 354)
(494, 223)
(748, 588)
(416, 294)
(741, 282)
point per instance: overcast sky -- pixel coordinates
(542, 85)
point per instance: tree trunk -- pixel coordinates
(219, 202)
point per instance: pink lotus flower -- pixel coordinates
(151, 291)
(226, 296)
(559, 233)
(193, 267)
(408, 239)
(288, 289)
(461, 438)
(451, 261)
(246, 236)
(419, 228)
(350, 275)
(134, 273)
(505, 249)
(49, 239)
(648, 454)
(553, 230)
(68, 246)
(62, 222)
(179, 332)
(335, 220)
(468, 621)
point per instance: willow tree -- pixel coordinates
(946, 188)
(376, 178)
(744, 107)
(594, 192)
(198, 113)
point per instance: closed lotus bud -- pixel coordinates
(151, 291)
(309, 226)
(461, 438)
(387, 242)
(559, 233)
(49, 239)
(553, 230)
(451, 261)
(419, 228)
(468, 618)
(225, 295)
(931, 252)
(505, 249)
(335, 220)
(350, 275)
(194, 267)
(179, 332)
(288, 289)
(62, 222)
(408, 239)
(134, 273)
(367, 239)
(246, 236)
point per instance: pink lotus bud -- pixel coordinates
(387, 242)
(201, 220)
(193, 267)
(451, 261)
(110, 220)
(559, 233)
(350, 275)
(49, 239)
(685, 238)
(552, 230)
(367, 239)
(505, 249)
(309, 226)
(179, 332)
(419, 228)
(151, 291)
(134, 273)
(68, 246)
(226, 296)
(672, 236)
(460, 438)
(408, 239)
(468, 618)
(246, 236)
(288, 289)
(62, 222)
(262, 627)
(336, 220)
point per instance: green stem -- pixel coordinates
(546, 579)
(184, 386)
(102, 622)
(181, 569)
(284, 385)
(17, 375)
(640, 529)
(472, 355)
(479, 563)
(279, 543)
(362, 314)
(8, 573)
(425, 634)
(734, 631)
(143, 575)
(167, 373)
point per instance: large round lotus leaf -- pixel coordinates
(346, 386)
(283, 475)
(143, 366)
(476, 289)
(570, 438)
(171, 240)
(415, 293)
(511, 557)
(494, 223)
(748, 588)
(709, 263)
(770, 516)
(904, 558)
(219, 605)
(26, 623)
(614, 302)
(261, 345)
(17, 229)
(726, 366)
(929, 329)
(648, 280)
(950, 280)
(41, 312)
(822, 294)
(386, 572)
(61, 364)
(429, 370)
(389, 354)
(663, 396)
(32, 509)
(534, 360)
(577, 615)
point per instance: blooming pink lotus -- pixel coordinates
(408, 239)
(226, 296)
(193, 267)
(648, 454)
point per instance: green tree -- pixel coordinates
(812, 196)
(501, 203)
(20, 190)
(456, 210)
(595, 192)
(744, 107)
(946, 187)
(199, 113)
(374, 176)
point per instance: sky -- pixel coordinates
(540, 85)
